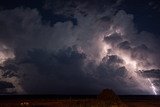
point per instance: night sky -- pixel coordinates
(79, 46)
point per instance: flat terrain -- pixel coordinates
(141, 101)
(78, 101)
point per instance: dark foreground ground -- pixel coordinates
(141, 101)
(77, 101)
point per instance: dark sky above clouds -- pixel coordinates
(79, 46)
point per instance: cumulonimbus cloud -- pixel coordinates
(104, 50)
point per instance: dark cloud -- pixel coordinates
(9, 70)
(60, 73)
(112, 60)
(68, 58)
(153, 73)
(64, 72)
(110, 67)
(69, 7)
(125, 45)
(4, 85)
(113, 39)
(140, 52)
(111, 73)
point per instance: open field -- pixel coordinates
(44, 101)
(60, 103)
(82, 101)
(141, 101)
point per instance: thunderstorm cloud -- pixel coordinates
(76, 47)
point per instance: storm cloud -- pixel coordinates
(95, 47)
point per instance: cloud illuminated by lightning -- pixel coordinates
(6, 54)
(130, 64)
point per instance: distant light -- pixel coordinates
(24, 103)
